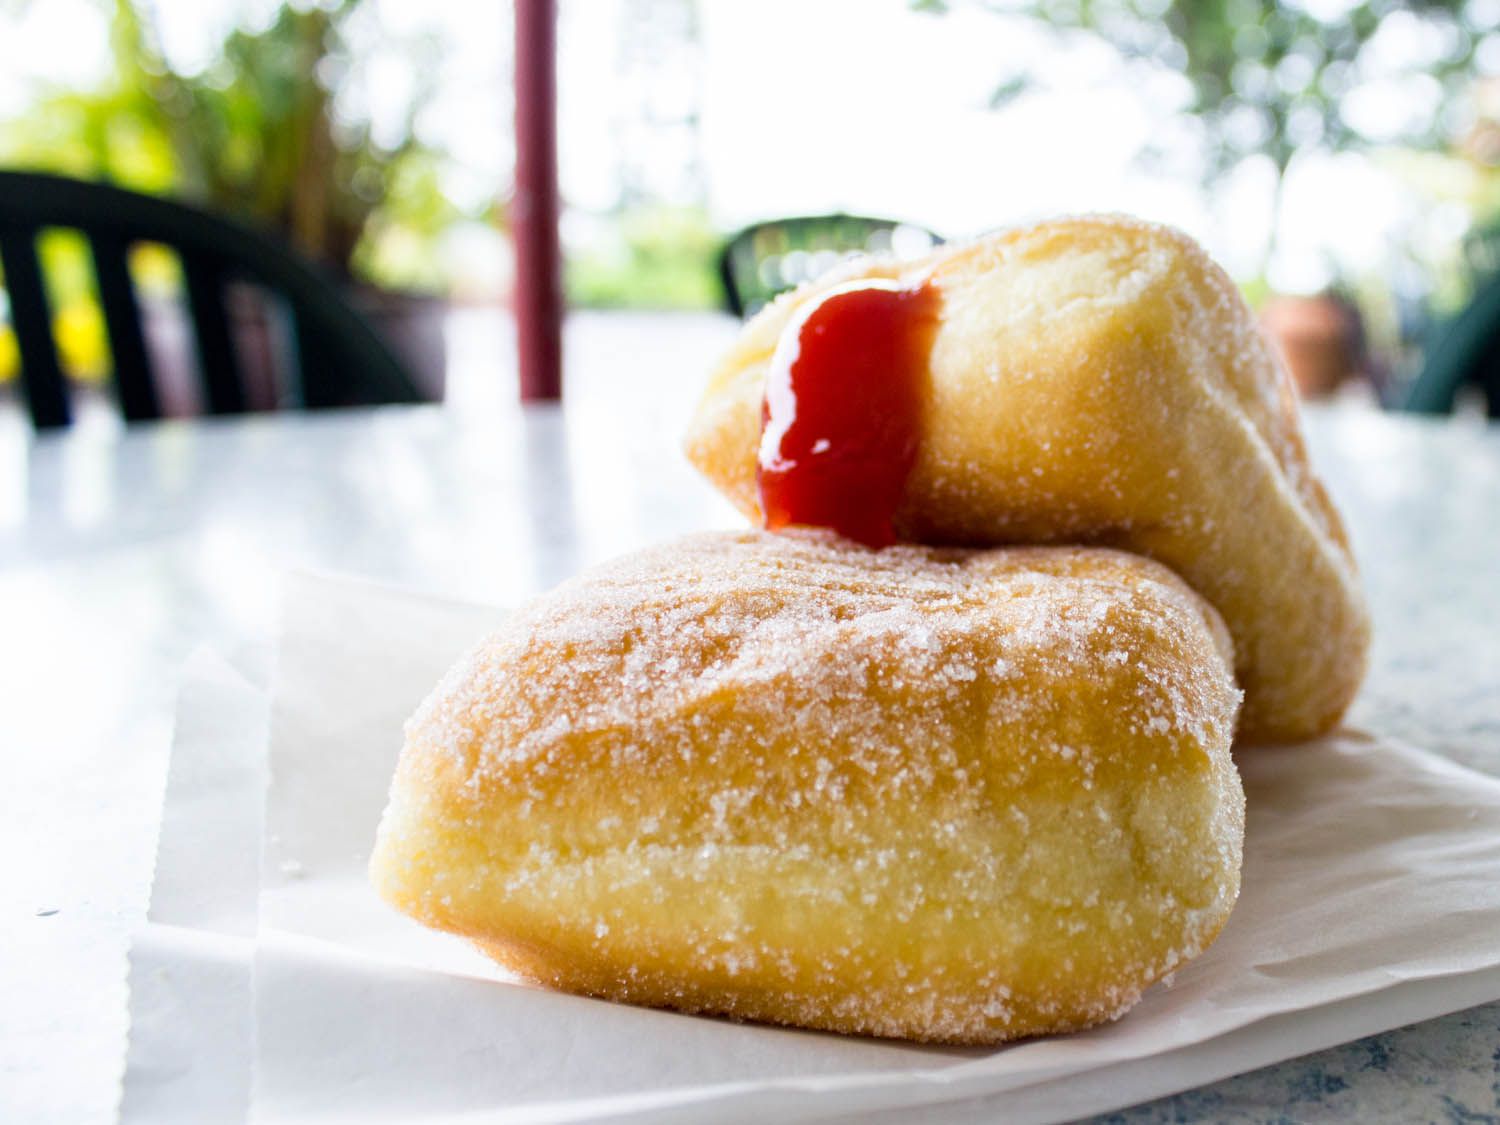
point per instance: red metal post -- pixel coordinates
(534, 209)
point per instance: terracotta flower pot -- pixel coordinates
(1320, 339)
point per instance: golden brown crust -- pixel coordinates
(959, 796)
(1099, 380)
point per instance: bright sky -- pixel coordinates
(813, 105)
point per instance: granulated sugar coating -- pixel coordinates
(941, 794)
(1099, 380)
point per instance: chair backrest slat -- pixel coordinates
(312, 360)
(41, 373)
(204, 276)
(122, 320)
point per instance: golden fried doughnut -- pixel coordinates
(1100, 380)
(949, 795)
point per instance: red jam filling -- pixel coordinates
(841, 420)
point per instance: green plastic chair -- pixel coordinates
(771, 257)
(1464, 352)
(339, 359)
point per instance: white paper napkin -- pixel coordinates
(1371, 899)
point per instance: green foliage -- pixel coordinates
(109, 133)
(1280, 78)
(1273, 77)
(648, 257)
(257, 134)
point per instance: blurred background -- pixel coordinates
(1340, 157)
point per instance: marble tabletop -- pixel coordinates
(121, 552)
